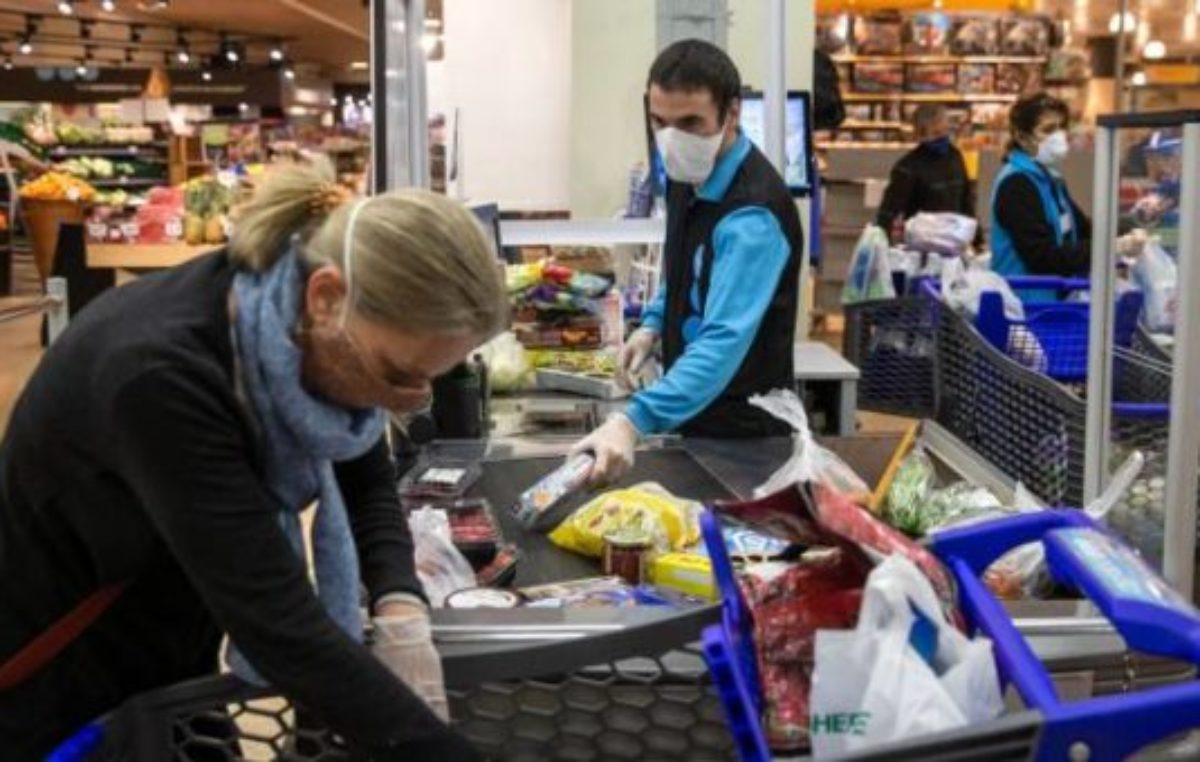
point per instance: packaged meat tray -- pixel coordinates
(930, 78)
(878, 35)
(974, 36)
(927, 34)
(879, 77)
(976, 79)
(1025, 37)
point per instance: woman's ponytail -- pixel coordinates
(291, 198)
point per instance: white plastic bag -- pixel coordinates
(962, 287)
(942, 232)
(507, 363)
(898, 674)
(870, 274)
(810, 461)
(1156, 274)
(441, 568)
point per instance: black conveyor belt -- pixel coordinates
(504, 480)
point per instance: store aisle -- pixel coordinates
(20, 351)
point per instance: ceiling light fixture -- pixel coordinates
(289, 72)
(1115, 25)
(81, 69)
(276, 53)
(183, 54)
(108, 6)
(1154, 50)
(26, 46)
(8, 64)
(206, 76)
(66, 7)
(359, 65)
(1138, 79)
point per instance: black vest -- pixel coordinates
(768, 363)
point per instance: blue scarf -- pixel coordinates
(303, 437)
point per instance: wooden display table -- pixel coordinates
(142, 256)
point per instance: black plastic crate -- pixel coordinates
(893, 344)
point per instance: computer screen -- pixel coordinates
(797, 138)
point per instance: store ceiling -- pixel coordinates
(330, 33)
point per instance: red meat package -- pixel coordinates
(790, 602)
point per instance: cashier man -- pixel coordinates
(724, 315)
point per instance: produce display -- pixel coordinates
(206, 205)
(58, 186)
(557, 307)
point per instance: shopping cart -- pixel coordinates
(1150, 616)
(560, 690)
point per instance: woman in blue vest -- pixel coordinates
(1037, 229)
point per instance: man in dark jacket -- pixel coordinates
(725, 312)
(930, 178)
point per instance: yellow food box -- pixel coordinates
(689, 573)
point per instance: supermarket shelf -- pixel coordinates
(148, 150)
(868, 125)
(127, 182)
(941, 59)
(927, 98)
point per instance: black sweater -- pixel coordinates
(130, 458)
(1019, 210)
(925, 181)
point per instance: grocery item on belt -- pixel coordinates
(670, 522)
(688, 573)
(439, 479)
(626, 554)
(535, 505)
(590, 592)
(502, 570)
(474, 530)
(483, 598)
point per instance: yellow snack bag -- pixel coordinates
(689, 573)
(671, 523)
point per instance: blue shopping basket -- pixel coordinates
(1053, 337)
(1080, 554)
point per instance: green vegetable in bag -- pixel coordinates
(909, 493)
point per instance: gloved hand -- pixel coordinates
(405, 645)
(1131, 244)
(634, 353)
(612, 445)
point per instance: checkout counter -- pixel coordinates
(624, 683)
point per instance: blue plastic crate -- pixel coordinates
(1080, 554)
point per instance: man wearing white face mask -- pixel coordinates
(1037, 228)
(725, 312)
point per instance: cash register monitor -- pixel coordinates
(797, 136)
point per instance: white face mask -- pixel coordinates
(689, 158)
(1053, 148)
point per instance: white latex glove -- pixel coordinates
(1131, 244)
(634, 353)
(405, 645)
(612, 445)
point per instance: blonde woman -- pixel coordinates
(155, 465)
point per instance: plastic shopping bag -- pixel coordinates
(870, 274)
(904, 671)
(943, 232)
(810, 462)
(441, 567)
(963, 285)
(1156, 274)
